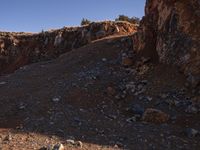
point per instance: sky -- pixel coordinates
(38, 15)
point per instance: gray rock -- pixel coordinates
(3, 82)
(124, 55)
(133, 119)
(55, 99)
(149, 98)
(131, 86)
(190, 132)
(22, 106)
(118, 97)
(136, 109)
(192, 109)
(164, 95)
(104, 59)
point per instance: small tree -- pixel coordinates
(85, 22)
(133, 20)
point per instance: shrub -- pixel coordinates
(133, 20)
(85, 22)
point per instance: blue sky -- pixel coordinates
(37, 15)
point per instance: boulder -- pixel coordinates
(155, 116)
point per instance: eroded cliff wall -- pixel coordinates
(19, 49)
(170, 33)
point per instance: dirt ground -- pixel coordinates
(86, 95)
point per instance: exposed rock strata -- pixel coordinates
(18, 49)
(170, 33)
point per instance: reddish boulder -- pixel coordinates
(155, 116)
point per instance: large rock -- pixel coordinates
(169, 33)
(155, 116)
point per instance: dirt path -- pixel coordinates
(86, 95)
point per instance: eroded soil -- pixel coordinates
(86, 94)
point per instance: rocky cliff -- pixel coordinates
(169, 33)
(19, 49)
(98, 95)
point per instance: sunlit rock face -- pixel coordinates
(170, 33)
(19, 49)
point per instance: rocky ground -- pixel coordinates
(100, 96)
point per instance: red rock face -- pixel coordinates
(19, 49)
(169, 33)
